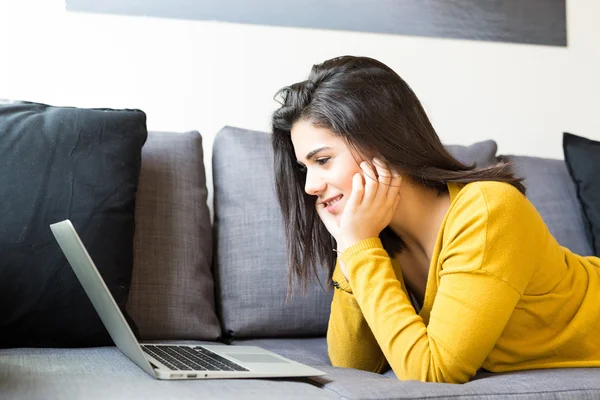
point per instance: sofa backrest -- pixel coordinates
(172, 291)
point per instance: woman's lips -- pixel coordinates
(332, 205)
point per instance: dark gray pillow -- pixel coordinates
(58, 163)
(583, 161)
(251, 262)
(483, 154)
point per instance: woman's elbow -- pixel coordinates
(359, 361)
(433, 374)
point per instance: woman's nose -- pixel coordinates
(314, 183)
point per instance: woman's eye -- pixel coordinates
(322, 161)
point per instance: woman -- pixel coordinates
(442, 268)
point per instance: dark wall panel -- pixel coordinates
(519, 21)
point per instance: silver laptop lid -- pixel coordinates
(98, 292)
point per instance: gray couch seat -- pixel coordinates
(105, 373)
(573, 383)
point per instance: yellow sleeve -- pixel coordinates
(350, 342)
(472, 305)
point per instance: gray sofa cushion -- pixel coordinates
(552, 192)
(105, 373)
(483, 154)
(172, 291)
(355, 384)
(250, 259)
(251, 262)
(567, 384)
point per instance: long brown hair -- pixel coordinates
(370, 107)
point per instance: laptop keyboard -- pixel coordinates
(188, 359)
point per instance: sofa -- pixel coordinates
(199, 278)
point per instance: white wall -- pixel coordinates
(204, 75)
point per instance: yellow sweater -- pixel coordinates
(501, 295)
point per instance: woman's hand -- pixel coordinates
(371, 205)
(369, 209)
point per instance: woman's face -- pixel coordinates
(329, 164)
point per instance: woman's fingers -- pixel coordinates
(386, 181)
(369, 208)
(370, 182)
(356, 197)
(394, 195)
(381, 185)
(394, 192)
(384, 175)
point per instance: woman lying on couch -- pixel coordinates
(442, 268)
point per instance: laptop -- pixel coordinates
(170, 361)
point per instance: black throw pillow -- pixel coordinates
(58, 163)
(583, 161)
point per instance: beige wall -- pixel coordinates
(204, 75)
